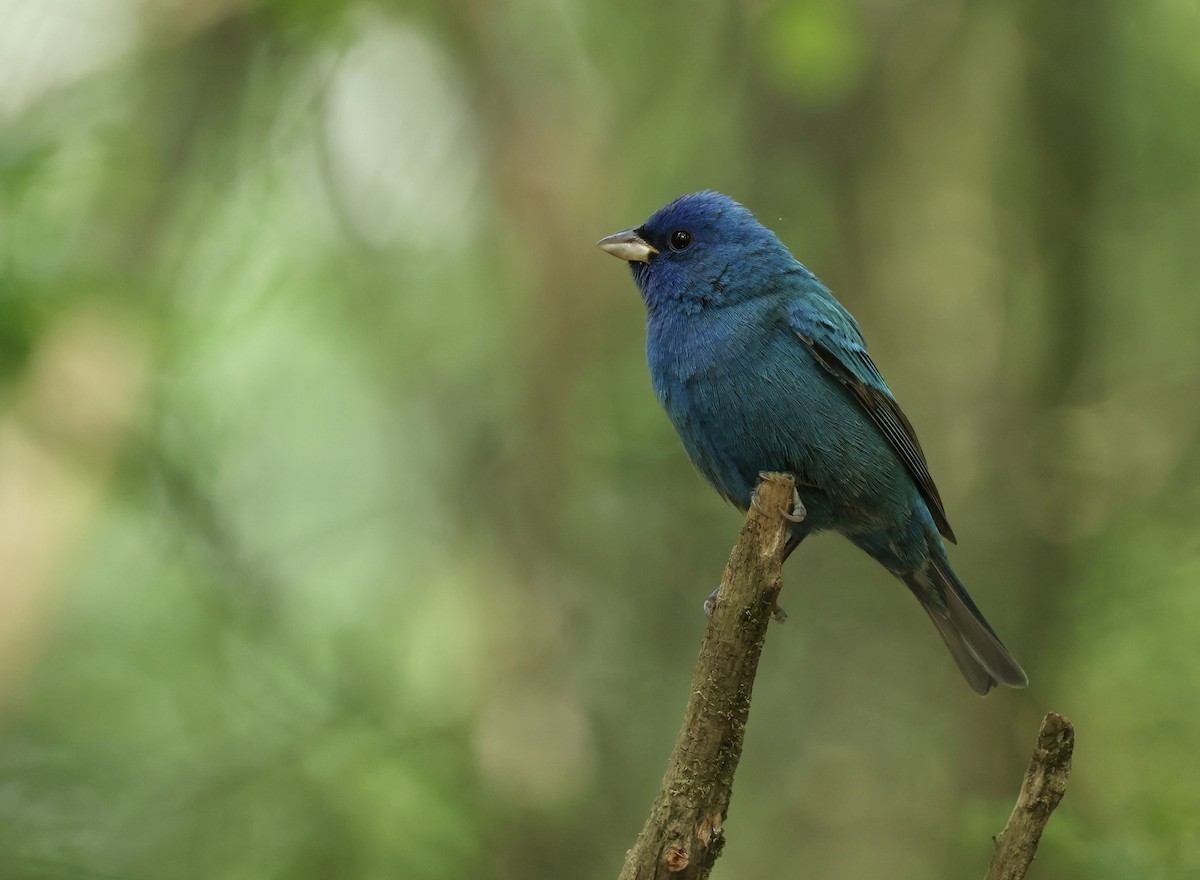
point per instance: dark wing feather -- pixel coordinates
(841, 350)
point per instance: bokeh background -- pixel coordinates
(341, 534)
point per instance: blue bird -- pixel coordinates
(759, 368)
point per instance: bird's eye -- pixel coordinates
(680, 239)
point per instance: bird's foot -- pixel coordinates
(710, 605)
(798, 511)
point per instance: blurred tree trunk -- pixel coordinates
(1068, 57)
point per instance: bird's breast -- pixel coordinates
(719, 383)
(692, 362)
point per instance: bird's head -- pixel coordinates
(701, 250)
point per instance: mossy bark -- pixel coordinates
(1044, 785)
(684, 834)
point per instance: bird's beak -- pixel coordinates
(628, 245)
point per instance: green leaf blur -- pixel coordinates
(341, 534)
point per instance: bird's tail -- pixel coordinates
(978, 651)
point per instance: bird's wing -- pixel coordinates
(837, 343)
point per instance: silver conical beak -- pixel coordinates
(628, 245)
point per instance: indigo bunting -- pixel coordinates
(759, 368)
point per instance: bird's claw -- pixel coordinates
(710, 605)
(798, 511)
(754, 503)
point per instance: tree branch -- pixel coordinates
(683, 835)
(1044, 785)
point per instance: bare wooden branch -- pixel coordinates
(683, 835)
(1044, 785)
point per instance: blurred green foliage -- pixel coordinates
(341, 535)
